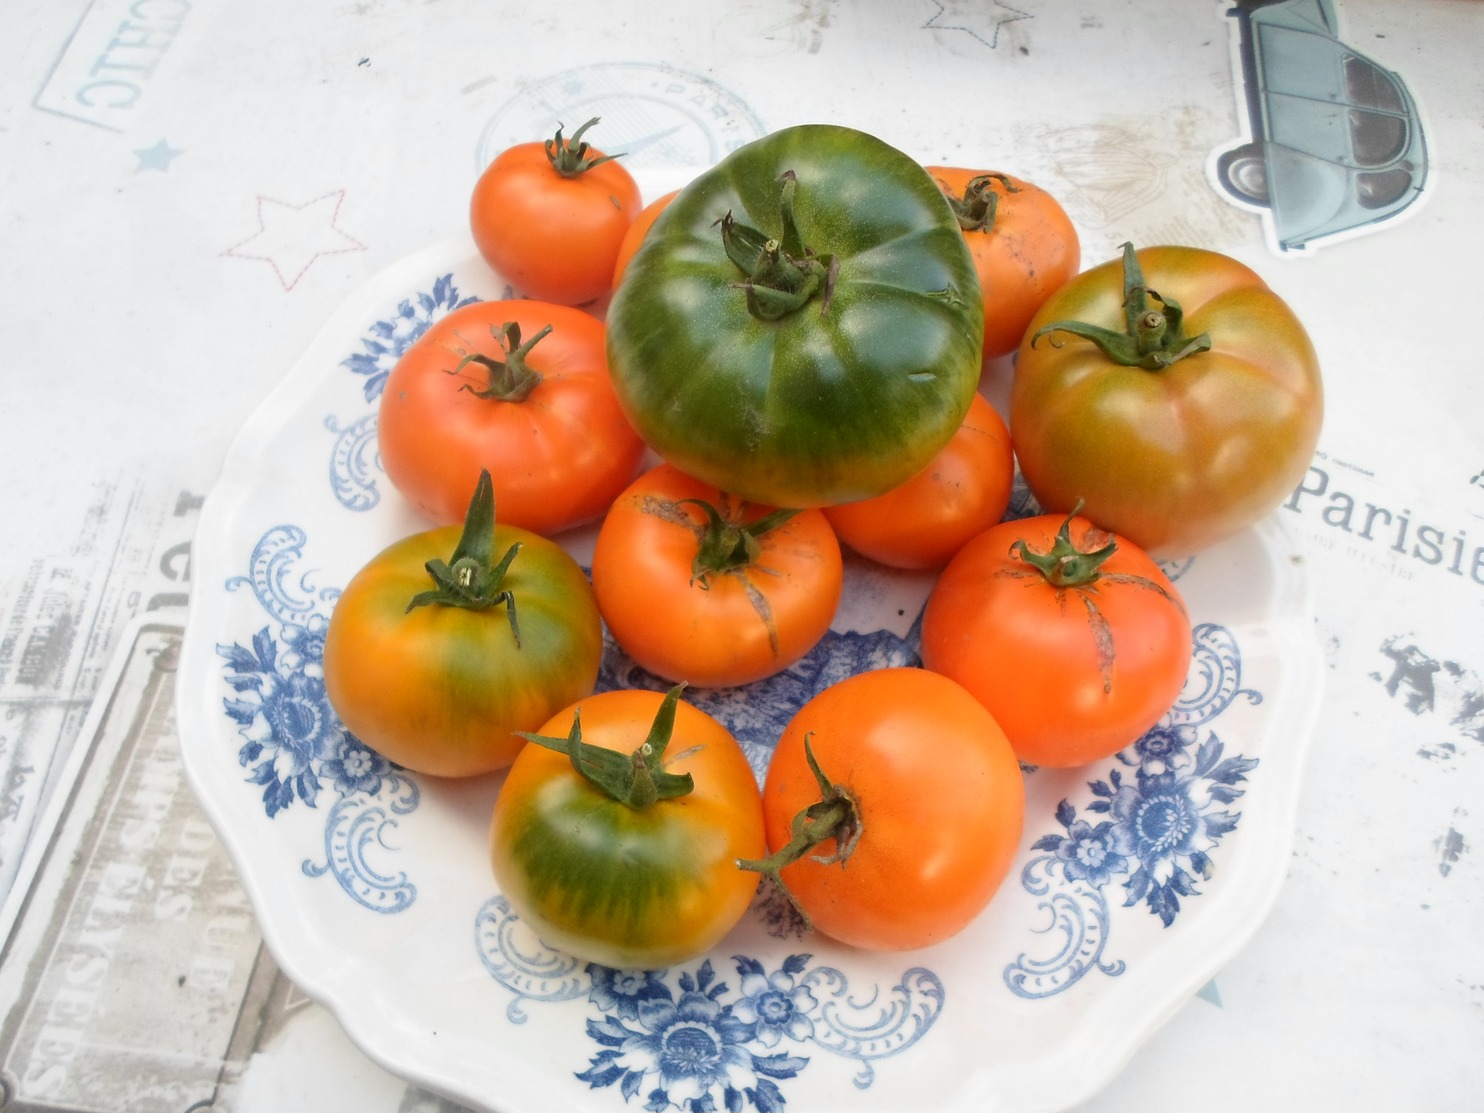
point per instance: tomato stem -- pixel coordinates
(834, 816)
(1065, 565)
(511, 379)
(569, 156)
(782, 274)
(471, 578)
(977, 208)
(726, 546)
(638, 778)
(1152, 338)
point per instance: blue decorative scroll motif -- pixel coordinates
(353, 459)
(688, 1040)
(1153, 824)
(293, 744)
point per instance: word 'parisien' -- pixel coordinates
(1366, 521)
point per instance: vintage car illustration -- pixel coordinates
(1336, 144)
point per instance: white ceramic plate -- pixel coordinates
(1138, 877)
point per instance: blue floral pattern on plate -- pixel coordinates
(692, 1039)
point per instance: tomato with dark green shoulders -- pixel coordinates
(450, 642)
(802, 325)
(616, 834)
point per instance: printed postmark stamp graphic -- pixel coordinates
(657, 115)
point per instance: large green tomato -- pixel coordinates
(803, 323)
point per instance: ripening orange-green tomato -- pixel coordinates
(549, 217)
(638, 230)
(1073, 639)
(1023, 244)
(922, 523)
(438, 670)
(1171, 393)
(920, 805)
(701, 587)
(631, 862)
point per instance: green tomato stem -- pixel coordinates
(637, 779)
(511, 379)
(569, 156)
(977, 208)
(781, 274)
(835, 815)
(724, 546)
(471, 578)
(1153, 337)
(1065, 565)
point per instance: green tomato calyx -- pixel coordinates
(472, 579)
(977, 208)
(724, 546)
(835, 816)
(1065, 565)
(780, 274)
(569, 156)
(637, 779)
(511, 379)
(1153, 337)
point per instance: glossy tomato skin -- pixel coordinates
(732, 628)
(1066, 689)
(963, 491)
(839, 400)
(554, 238)
(1027, 253)
(942, 806)
(627, 888)
(441, 689)
(557, 457)
(1179, 459)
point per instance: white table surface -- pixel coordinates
(188, 189)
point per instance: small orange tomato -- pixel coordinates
(550, 216)
(1073, 638)
(635, 235)
(916, 805)
(922, 523)
(701, 587)
(1023, 244)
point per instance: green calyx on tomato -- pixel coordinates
(977, 208)
(782, 273)
(1065, 565)
(473, 579)
(835, 816)
(725, 546)
(569, 156)
(638, 780)
(510, 379)
(1153, 337)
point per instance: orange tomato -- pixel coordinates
(1023, 244)
(635, 235)
(1076, 651)
(703, 593)
(550, 216)
(545, 422)
(922, 523)
(933, 799)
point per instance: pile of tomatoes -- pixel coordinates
(777, 362)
